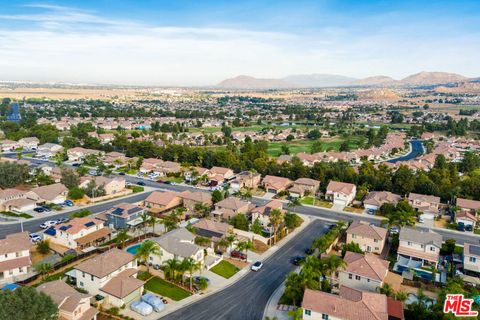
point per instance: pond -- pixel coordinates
(417, 150)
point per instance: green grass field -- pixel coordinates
(297, 146)
(167, 289)
(225, 269)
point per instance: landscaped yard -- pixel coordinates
(318, 203)
(16, 215)
(225, 269)
(353, 210)
(166, 289)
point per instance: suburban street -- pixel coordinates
(247, 298)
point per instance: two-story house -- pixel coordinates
(29, 143)
(471, 258)
(341, 193)
(262, 213)
(417, 249)
(376, 199)
(123, 216)
(72, 305)
(177, 244)
(369, 237)
(160, 202)
(15, 260)
(78, 233)
(467, 213)
(230, 207)
(425, 204)
(350, 304)
(245, 180)
(79, 153)
(111, 275)
(364, 272)
(192, 199)
(48, 150)
(110, 185)
(304, 186)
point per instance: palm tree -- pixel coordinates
(387, 290)
(145, 220)
(43, 246)
(121, 238)
(171, 267)
(152, 222)
(276, 218)
(245, 246)
(191, 265)
(169, 224)
(146, 249)
(296, 314)
(43, 269)
(293, 203)
(401, 296)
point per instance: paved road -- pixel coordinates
(247, 298)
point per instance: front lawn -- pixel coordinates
(167, 289)
(318, 202)
(225, 269)
(16, 215)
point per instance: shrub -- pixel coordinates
(76, 193)
(80, 214)
(43, 246)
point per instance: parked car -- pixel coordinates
(39, 209)
(256, 266)
(141, 183)
(141, 307)
(154, 301)
(47, 224)
(297, 260)
(121, 173)
(34, 237)
(308, 251)
(76, 164)
(461, 227)
(238, 255)
(69, 203)
(394, 230)
(421, 220)
(62, 220)
(197, 279)
(469, 228)
(46, 208)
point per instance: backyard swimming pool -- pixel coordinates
(133, 249)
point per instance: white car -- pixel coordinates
(47, 224)
(421, 220)
(256, 266)
(34, 237)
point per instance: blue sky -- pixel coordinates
(203, 42)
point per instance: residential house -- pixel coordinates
(350, 304)
(341, 193)
(246, 180)
(110, 185)
(160, 167)
(78, 233)
(111, 275)
(426, 204)
(230, 207)
(72, 305)
(274, 184)
(177, 244)
(79, 153)
(375, 199)
(262, 213)
(226, 173)
(304, 186)
(20, 205)
(29, 143)
(417, 249)
(159, 202)
(9, 145)
(196, 173)
(364, 272)
(471, 258)
(48, 150)
(15, 260)
(53, 193)
(118, 160)
(123, 215)
(369, 237)
(212, 229)
(192, 199)
(8, 195)
(467, 213)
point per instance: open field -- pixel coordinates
(297, 146)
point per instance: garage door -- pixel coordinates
(340, 202)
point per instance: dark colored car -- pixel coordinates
(75, 164)
(308, 251)
(46, 208)
(121, 173)
(69, 203)
(461, 227)
(297, 260)
(167, 182)
(238, 255)
(141, 183)
(469, 228)
(39, 209)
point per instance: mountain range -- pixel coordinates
(317, 80)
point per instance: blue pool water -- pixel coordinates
(417, 150)
(133, 249)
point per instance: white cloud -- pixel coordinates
(70, 45)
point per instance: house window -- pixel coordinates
(91, 278)
(10, 272)
(357, 277)
(409, 243)
(432, 248)
(354, 236)
(368, 280)
(18, 254)
(83, 274)
(308, 312)
(473, 259)
(324, 316)
(20, 269)
(81, 284)
(375, 240)
(350, 276)
(421, 246)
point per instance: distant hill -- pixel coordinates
(379, 94)
(462, 87)
(318, 80)
(374, 81)
(425, 78)
(247, 82)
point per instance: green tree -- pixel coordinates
(122, 237)
(171, 267)
(239, 222)
(191, 265)
(146, 249)
(256, 227)
(43, 246)
(276, 219)
(70, 178)
(27, 303)
(217, 196)
(245, 246)
(76, 193)
(43, 268)
(13, 174)
(293, 203)
(352, 246)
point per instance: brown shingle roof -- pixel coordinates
(106, 263)
(15, 242)
(366, 230)
(367, 265)
(341, 187)
(123, 284)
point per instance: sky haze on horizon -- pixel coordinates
(194, 43)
